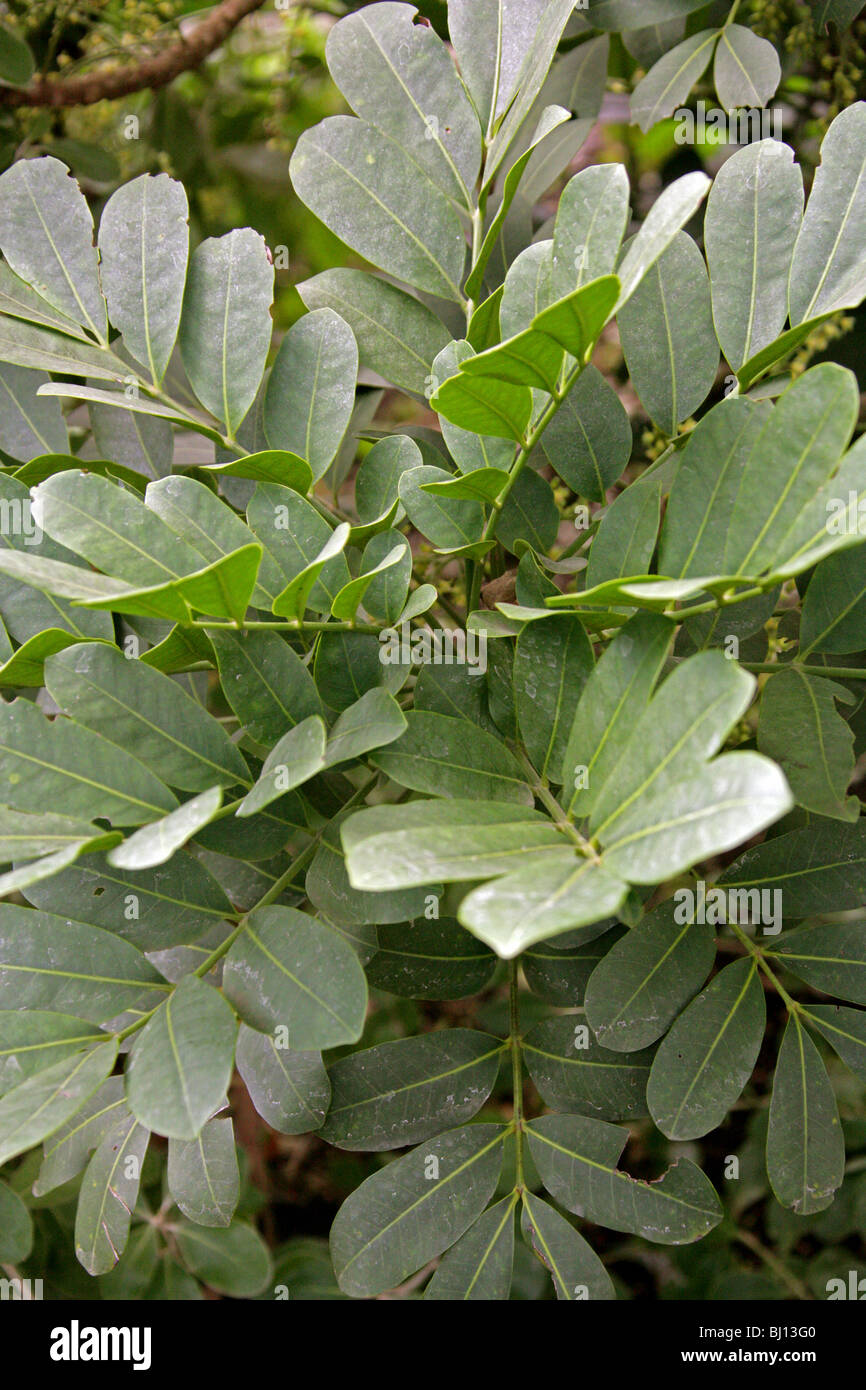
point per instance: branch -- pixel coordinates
(152, 72)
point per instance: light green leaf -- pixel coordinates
(590, 224)
(413, 1209)
(397, 336)
(181, 1062)
(311, 389)
(147, 713)
(452, 757)
(329, 889)
(399, 76)
(805, 1146)
(33, 1039)
(669, 81)
(828, 270)
(156, 843)
(537, 57)
(371, 193)
(143, 251)
(38, 198)
(747, 68)
(265, 682)
(668, 337)
(297, 757)
(225, 330)
(203, 1175)
(484, 405)
(295, 536)
(753, 217)
(668, 214)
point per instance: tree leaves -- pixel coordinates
(143, 250)
(203, 1174)
(828, 270)
(576, 1270)
(42, 1103)
(577, 1158)
(805, 1148)
(415, 1208)
(225, 330)
(290, 973)
(747, 68)
(180, 1065)
(451, 757)
(399, 1093)
(704, 1062)
(39, 198)
(801, 729)
(311, 389)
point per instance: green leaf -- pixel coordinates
(430, 960)
(28, 346)
(311, 389)
(589, 440)
(671, 211)
(143, 251)
(268, 466)
(146, 713)
(818, 868)
(24, 834)
(288, 972)
(682, 727)
(753, 217)
(38, 198)
(265, 682)
(348, 664)
(529, 515)
(452, 757)
(553, 661)
(669, 81)
(296, 536)
(830, 958)
(845, 1031)
(834, 608)
(42, 1103)
(545, 34)
(378, 477)
(577, 1158)
(710, 810)
(828, 270)
(668, 336)
(576, 321)
(17, 65)
(398, 75)
(572, 1072)
(290, 1090)
(491, 39)
(158, 842)
(644, 981)
(576, 1270)
(16, 1223)
(33, 1039)
(415, 1208)
(297, 757)
(45, 762)
(372, 194)
(181, 1062)
(329, 889)
(557, 892)
(153, 908)
(747, 70)
(484, 405)
(397, 336)
(805, 1146)
(447, 522)
(590, 224)
(108, 1194)
(225, 330)
(31, 424)
(234, 1261)
(94, 975)
(559, 974)
(801, 729)
(479, 1266)
(66, 1152)
(141, 442)
(292, 601)
(203, 1175)
(626, 539)
(386, 593)
(400, 1093)
(392, 847)
(708, 1056)
(619, 687)
(471, 452)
